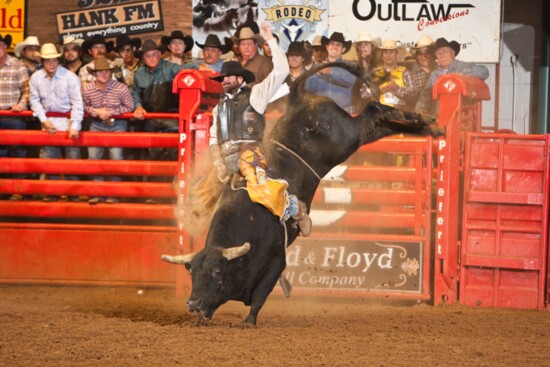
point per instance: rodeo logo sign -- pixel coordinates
(295, 20)
(356, 265)
(130, 18)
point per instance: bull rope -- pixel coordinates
(297, 156)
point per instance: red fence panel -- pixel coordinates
(505, 224)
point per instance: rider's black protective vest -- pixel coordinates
(237, 120)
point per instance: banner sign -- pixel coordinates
(131, 18)
(12, 20)
(356, 265)
(475, 24)
(291, 20)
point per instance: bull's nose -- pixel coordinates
(194, 305)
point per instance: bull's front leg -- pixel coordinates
(262, 291)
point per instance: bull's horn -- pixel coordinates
(179, 259)
(235, 252)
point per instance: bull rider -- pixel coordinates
(238, 128)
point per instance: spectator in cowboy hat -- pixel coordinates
(296, 56)
(28, 51)
(56, 89)
(14, 84)
(394, 81)
(365, 45)
(178, 44)
(152, 89)
(126, 47)
(103, 99)
(72, 54)
(95, 47)
(251, 60)
(423, 53)
(445, 55)
(335, 83)
(212, 50)
(319, 52)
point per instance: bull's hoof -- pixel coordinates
(201, 321)
(248, 323)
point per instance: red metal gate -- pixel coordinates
(505, 221)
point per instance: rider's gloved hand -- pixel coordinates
(223, 173)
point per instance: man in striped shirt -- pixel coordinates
(103, 99)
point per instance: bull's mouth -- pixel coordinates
(197, 307)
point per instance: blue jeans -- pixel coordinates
(60, 152)
(115, 154)
(12, 123)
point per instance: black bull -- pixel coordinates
(244, 254)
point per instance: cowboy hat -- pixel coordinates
(6, 39)
(336, 37)
(213, 41)
(296, 49)
(442, 42)
(423, 41)
(96, 40)
(364, 36)
(29, 41)
(123, 40)
(234, 68)
(178, 35)
(148, 45)
(246, 33)
(100, 64)
(317, 41)
(49, 51)
(71, 39)
(389, 45)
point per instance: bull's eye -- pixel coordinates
(216, 271)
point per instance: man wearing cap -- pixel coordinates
(72, 54)
(179, 45)
(212, 50)
(14, 96)
(28, 52)
(445, 54)
(423, 53)
(103, 99)
(237, 130)
(394, 81)
(335, 83)
(251, 60)
(56, 89)
(126, 47)
(95, 47)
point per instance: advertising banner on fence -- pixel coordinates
(356, 265)
(130, 18)
(12, 20)
(475, 24)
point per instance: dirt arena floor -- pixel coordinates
(90, 326)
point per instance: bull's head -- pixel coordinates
(211, 276)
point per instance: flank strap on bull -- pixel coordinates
(297, 156)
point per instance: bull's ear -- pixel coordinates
(184, 259)
(235, 252)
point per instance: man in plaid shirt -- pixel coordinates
(14, 96)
